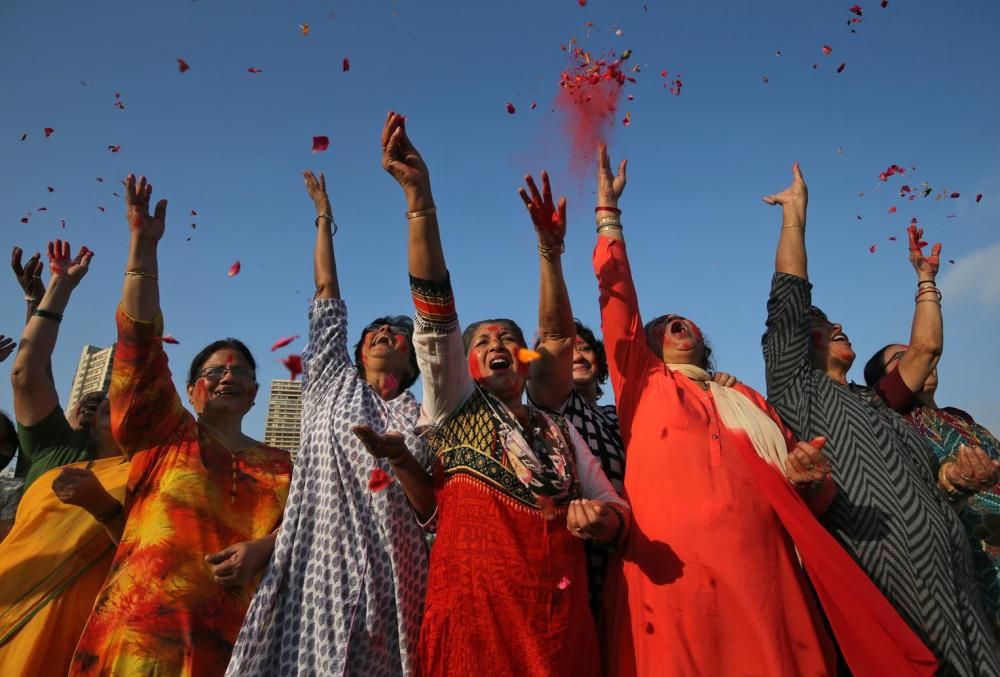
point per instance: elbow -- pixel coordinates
(20, 376)
(927, 350)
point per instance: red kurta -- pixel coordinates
(709, 582)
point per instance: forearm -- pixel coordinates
(324, 261)
(552, 376)
(791, 254)
(417, 485)
(927, 332)
(141, 291)
(426, 256)
(40, 333)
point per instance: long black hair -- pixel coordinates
(875, 366)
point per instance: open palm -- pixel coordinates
(140, 222)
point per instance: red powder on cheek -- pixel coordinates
(696, 332)
(200, 394)
(474, 369)
(401, 344)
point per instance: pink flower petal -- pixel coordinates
(282, 342)
(293, 363)
(379, 480)
(320, 143)
(168, 338)
(563, 583)
(346, 65)
(48, 132)
(255, 70)
(827, 49)
(234, 269)
(510, 108)
(182, 65)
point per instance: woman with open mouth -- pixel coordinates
(516, 490)
(889, 511)
(345, 590)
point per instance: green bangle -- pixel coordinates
(48, 314)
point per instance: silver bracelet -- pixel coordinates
(330, 219)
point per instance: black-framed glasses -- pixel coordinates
(216, 373)
(400, 324)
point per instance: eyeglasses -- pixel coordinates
(216, 373)
(400, 324)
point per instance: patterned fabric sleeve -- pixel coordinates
(327, 349)
(145, 408)
(621, 325)
(437, 342)
(786, 341)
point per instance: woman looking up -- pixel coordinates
(345, 591)
(516, 490)
(203, 499)
(888, 511)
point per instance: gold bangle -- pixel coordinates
(793, 225)
(139, 273)
(422, 212)
(609, 221)
(547, 251)
(600, 231)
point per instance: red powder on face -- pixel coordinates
(401, 344)
(474, 369)
(200, 395)
(588, 98)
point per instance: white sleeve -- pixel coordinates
(593, 481)
(445, 376)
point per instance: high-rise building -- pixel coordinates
(284, 415)
(92, 373)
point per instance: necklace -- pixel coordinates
(215, 435)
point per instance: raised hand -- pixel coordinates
(140, 222)
(609, 186)
(806, 463)
(549, 218)
(400, 158)
(63, 267)
(390, 446)
(973, 470)
(793, 200)
(6, 347)
(926, 267)
(317, 191)
(28, 276)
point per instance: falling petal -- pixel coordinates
(114, 149)
(194, 213)
(884, 3)
(627, 120)
(777, 52)
(510, 108)
(304, 28)
(525, 355)
(320, 143)
(951, 261)
(62, 222)
(293, 363)
(859, 217)
(255, 70)
(52, 190)
(827, 49)
(840, 150)
(873, 248)
(182, 65)
(100, 180)
(563, 583)
(979, 196)
(100, 207)
(379, 480)
(346, 64)
(856, 9)
(24, 219)
(168, 338)
(765, 79)
(533, 106)
(42, 209)
(840, 68)
(48, 132)
(234, 269)
(582, 3)
(892, 209)
(24, 136)
(954, 195)
(282, 342)
(892, 238)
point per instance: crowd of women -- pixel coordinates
(693, 528)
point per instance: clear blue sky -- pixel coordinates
(919, 89)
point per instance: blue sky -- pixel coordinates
(919, 89)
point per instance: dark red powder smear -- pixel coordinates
(588, 98)
(474, 370)
(293, 363)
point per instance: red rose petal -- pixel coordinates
(62, 222)
(563, 583)
(48, 132)
(282, 342)
(168, 338)
(951, 260)
(320, 143)
(884, 3)
(100, 207)
(873, 248)
(979, 196)
(255, 70)
(100, 180)
(24, 219)
(379, 480)
(510, 108)
(582, 3)
(827, 49)
(52, 190)
(24, 136)
(114, 149)
(234, 269)
(856, 9)
(892, 238)
(182, 65)
(627, 120)
(346, 65)
(892, 209)
(293, 363)
(194, 213)
(954, 195)
(533, 106)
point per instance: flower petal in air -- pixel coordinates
(379, 480)
(293, 363)
(346, 65)
(168, 338)
(979, 196)
(320, 143)
(48, 132)
(827, 49)
(282, 342)
(182, 65)
(510, 108)
(234, 269)
(856, 9)
(873, 248)
(525, 355)
(563, 583)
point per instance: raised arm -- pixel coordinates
(927, 332)
(403, 162)
(324, 261)
(551, 378)
(791, 255)
(35, 394)
(141, 292)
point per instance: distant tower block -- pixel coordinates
(284, 416)
(92, 373)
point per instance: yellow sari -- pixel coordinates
(52, 565)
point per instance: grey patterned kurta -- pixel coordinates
(344, 591)
(888, 512)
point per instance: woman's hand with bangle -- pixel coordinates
(609, 186)
(548, 218)
(972, 470)
(28, 276)
(926, 267)
(403, 162)
(142, 224)
(592, 520)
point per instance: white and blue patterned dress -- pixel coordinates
(344, 591)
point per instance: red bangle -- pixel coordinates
(613, 210)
